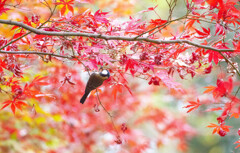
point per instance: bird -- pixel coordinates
(95, 80)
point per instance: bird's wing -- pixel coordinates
(94, 81)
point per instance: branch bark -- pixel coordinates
(107, 37)
(36, 53)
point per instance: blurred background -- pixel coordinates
(150, 120)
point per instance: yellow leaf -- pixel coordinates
(28, 119)
(57, 118)
(40, 120)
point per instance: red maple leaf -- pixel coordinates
(14, 103)
(237, 46)
(133, 65)
(116, 88)
(101, 16)
(168, 81)
(104, 58)
(223, 88)
(155, 23)
(38, 80)
(213, 55)
(219, 30)
(2, 9)
(17, 35)
(214, 3)
(204, 34)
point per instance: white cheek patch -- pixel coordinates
(104, 72)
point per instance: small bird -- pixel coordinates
(96, 79)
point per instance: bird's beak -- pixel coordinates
(100, 69)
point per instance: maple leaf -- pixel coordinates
(133, 65)
(217, 128)
(14, 103)
(237, 47)
(101, 17)
(116, 88)
(213, 3)
(26, 21)
(104, 58)
(219, 30)
(215, 56)
(155, 22)
(223, 88)
(29, 92)
(214, 109)
(235, 115)
(2, 9)
(3, 65)
(189, 23)
(204, 34)
(168, 81)
(208, 69)
(209, 89)
(38, 80)
(238, 144)
(192, 105)
(21, 33)
(91, 64)
(67, 5)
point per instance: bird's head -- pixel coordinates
(105, 74)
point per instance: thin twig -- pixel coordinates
(83, 65)
(111, 117)
(228, 61)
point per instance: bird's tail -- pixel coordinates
(84, 97)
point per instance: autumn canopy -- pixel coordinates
(170, 61)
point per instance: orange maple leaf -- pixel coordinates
(209, 89)
(192, 105)
(235, 115)
(67, 5)
(217, 128)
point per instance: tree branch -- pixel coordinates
(34, 52)
(228, 61)
(106, 37)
